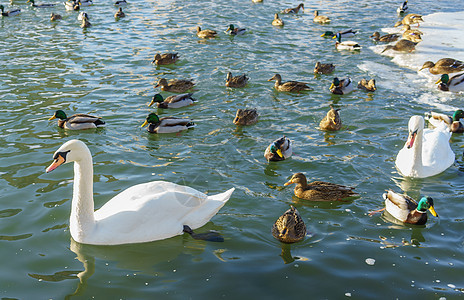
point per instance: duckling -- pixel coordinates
(277, 21)
(343, 33)
(175, 85)
(320, 68)
(289, 86)
(453, 84)
(85, 22)
(402, 8)
(174, 101)
(10, 13)
(368, 86)
(206, 33)
(245, 117)
(320, 19)
(236, 81)
(294, 10)
(452, 122)
(54, 17)
(444, 66)
(166, 124)
(232, 30)
(289, 227)
(341, 87)
(406, 209)
(43, 5)
(119, 13)
(410, 19)
(165, 59)
(346, 45)
(77, 121)
(332, 121)
(72, 5)
(387, 38)
(319, 190)
(279, 149)
(120, 2)
(402, 46)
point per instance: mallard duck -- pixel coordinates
(294, 10)
(77, 121)
(238, 81)
(232, 30)
(320, 19)
(289, 86)
(427, 152)
(206, 33)
(245, 117)
(341, 87)
(444, 66)
(175, 85)
(343, 33)
(279, 149)
(346, 45)
(319, 190)
(289, 227)
(85, 22)
(167, 124)
(142, 213)
(332, 121)
(452, 122)
(453, 84)
(387, 38)
(406, 209)
(174, 101)
(43, 5)
(402, 8)
(10, 13)
(54, 17)
(165, 58)
(82, 16)
(120, 2)
(320, 68)
(410, 19)
(72, 5)
(277, 21)
(412, 36)
(368, 86)
(402, 46)
(119, 13)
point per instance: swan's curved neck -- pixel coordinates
(417, 153)
(82, 209)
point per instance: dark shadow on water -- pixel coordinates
(322, 204)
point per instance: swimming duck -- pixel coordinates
(341, 87)
(72, 5)
(54, 17)
(166, 124)
(346, 45)
(289, 86)
(444, 66)
(402, 8)
(142, 213)
(453, 84)
(175, 85)
(279, 149)
(206, 33)
(174, 101)
(406, 209)
(43, 5)
(236, 81)
(320, 68)
(85, 21)
(10, 13)
(289, 227)
(165, 58)
(343, 33)
(402, 46)
(332, 121)
(368, 86)
(120, 13)
(82, 15)
(120, 2)
(232, 30)
(245, 117)
(319, 190)
(427, 152)
(294, 10)
(320, 19)
(410, 19)
(277, 21)
(387, 38)
(77, 121)
(452, 122)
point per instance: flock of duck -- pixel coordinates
(160, 209)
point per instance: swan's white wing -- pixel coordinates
(437, 155)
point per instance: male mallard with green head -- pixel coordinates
(452, 122)
(279, 149)
(232, 30)
(406, 209)
(289, 227)
(453, 84)
(341, 87)
(77, 121)
(175, 85)
(343, 33)
(289, 86)
(174, 101)
(346, 45)
(166, 124)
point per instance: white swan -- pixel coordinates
(427, 152)
(142, 213)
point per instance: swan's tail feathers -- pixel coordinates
(223, 197)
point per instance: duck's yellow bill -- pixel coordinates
(288, 183)
(52, 118)
(439, 80)
(331, 86)
(279, 152)
(144, 123)
(432, 211)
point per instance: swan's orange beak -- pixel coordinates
(411, 139)
(56, 163)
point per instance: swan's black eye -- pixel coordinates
(62, 154)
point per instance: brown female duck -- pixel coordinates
(368, 86)
(246, 117)
(331, 121)
(402, 46)
(175, 85)
(289, 227)
(289, 86)
(387, 38)
(444, 66)
(206, 33)
(321, 68)
(165, 58)
(236, 81)
(294, 10)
